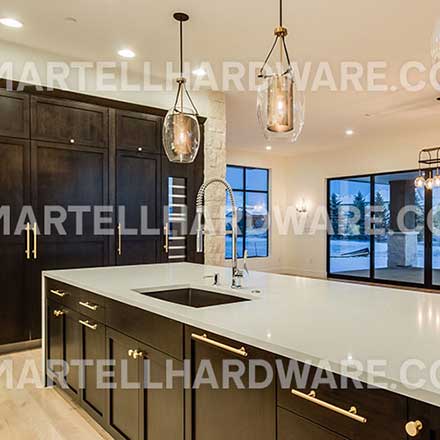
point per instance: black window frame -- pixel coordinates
(244, 191)
(427, 283)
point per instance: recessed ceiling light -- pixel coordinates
(349, 132)
(199, 72)
(268, 147)
(126, 53)
(11, 22)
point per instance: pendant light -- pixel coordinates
(181, 129)
(280, 105)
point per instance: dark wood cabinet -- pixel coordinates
(424, 419)
(232, 412)
(14, 114)
(69, 122)
(138, 190)
(138, 132)
(14, 195)
(93, 352)
(293, 427)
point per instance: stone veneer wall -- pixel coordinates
(215, 166)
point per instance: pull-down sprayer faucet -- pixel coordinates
(237, 274)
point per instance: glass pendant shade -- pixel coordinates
(181, 135)
(437, 180)
(280, 107)
(419, 182)
(429, 183)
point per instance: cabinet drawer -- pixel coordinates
(14, 114)
(138, 130)
(69, 122)
(385, 412)
(62, 293)
(293, 427)
(91, 305)
(161, 333)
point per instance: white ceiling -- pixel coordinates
(394, 31)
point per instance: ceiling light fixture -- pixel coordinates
(268, 147)
(349, 132)
(181, 129)
(126, 53)
(199, 72)
(11, 22)
(280, 105)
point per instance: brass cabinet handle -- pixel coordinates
(135, 354)
(28, 241)
(89, 306)
(88, 325)
(58, 313)
(166, 230)
(119, 239)
(311, 397)
(34, 252)
(204, 338)
(59, 293)
(413, 429)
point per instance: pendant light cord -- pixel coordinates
(181, 49)
(281, 13)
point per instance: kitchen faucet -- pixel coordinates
(237, 274)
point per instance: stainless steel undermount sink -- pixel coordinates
(192, 297)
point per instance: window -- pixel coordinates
(251, 192)
(378, 230)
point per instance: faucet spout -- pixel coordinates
(237, 274)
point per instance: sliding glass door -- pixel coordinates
(380, 230)
(399, 224)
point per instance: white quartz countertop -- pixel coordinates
(324, 323)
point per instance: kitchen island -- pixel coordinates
(350, 330)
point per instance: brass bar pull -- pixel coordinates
(59, 293)
(88, 325)
(311, 397)
(204, 338)
(89, 306)
(28, 241)
(413, 429)
(135, 354)
(34, 252)
(119, 239)
(166, 232)
(58, 313)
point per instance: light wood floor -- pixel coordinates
(34, 413)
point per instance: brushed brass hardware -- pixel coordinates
(58, 313)
(88, 325)
(413, 429)
(166, 232)
(135, 354)
(130, 352)
(311, 397)
(34, 252)
(119, 239)
(28, 241)
(72, 141)
(204, 338)
(59, 293)
(89, 306)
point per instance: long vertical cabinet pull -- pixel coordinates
(166, 230)
(34, 251)
(119, 240)
(28, 241)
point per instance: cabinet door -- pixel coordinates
(14, 114)
(63, 345)
(293, 427)
(69, 122)
(136, 410)
(138, 205)
(92, 351)
(428, 415)
(14, 194)
(228, 412)
(136, 131)
(67, 177)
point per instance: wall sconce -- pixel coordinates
(301, 207)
